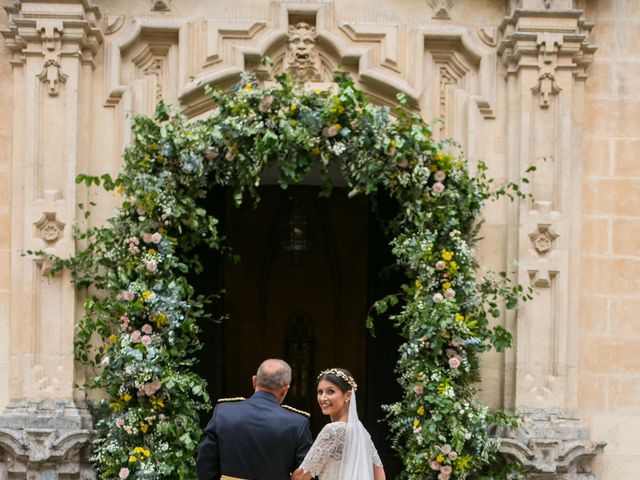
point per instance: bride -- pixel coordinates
(343, 449)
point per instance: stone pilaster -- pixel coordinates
(53, 46)
(545, 50)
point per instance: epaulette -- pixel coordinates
(301, 412)
(233, 399)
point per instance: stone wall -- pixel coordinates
(609, 390)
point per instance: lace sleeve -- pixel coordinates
(376, 458)
(328, 445)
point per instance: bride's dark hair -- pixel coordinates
(341, 377)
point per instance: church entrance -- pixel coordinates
(297, 284)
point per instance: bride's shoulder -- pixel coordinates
(334, 428)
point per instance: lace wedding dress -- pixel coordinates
(324, 457)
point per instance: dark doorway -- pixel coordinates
(309, 269)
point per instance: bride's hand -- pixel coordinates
(299, 474)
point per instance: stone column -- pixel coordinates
(43, 430)
(545, 49)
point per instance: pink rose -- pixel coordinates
(146, 328)
(146, 340)
(152, 266)
(441, 265)
(404, 163)
(440, 176)
(418, 389)
(437, 298)
(443, 476)
(127, 295)
(230, 156)
(417, 430)
(265, 103)
(124, 473)
(119, 422)
(446, 449)
(329, 132)
(438, 187)
(453, 456)
(434, 465)
(146, 237)
(449, 293)
(105, 361)
(161, 417)
(454, 362)
(150, 389)
(156, 237)
(135, 336)
(446, 469)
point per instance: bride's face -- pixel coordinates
(332, 400)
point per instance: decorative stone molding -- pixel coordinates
(49, 227)
(551, 445)
(46, 27)
(45, 441)
(441, 9)
(545, 50)
(302, 59)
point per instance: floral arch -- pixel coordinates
(140, 327)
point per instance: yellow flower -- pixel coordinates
(439, 459)
(437, 156)
(120, 189)
(459, 317)
(151, 251)
(160, 319)
(126, 397)
(318, 90)
(447, 255)
(132, 459)
(153, 146)
(294, 123)
(420, 410)
(248, 87)
(446, 285)
(115, 406)
(418, 284)
(157, 402)
(453, 265)
(147, 295)
(293, 107)
(416, 423)
(338, 127)
(144, 427)
(113, 338)
(393, 143)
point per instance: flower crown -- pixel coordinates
(343, 376)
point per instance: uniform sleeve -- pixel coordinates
(208, 461)
(374, 453)
(303, 443)
(329, 443)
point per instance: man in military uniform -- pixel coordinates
(257, 438)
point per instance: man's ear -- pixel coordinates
(254, 381)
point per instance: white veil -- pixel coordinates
(357, 456)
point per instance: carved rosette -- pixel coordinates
(49, 228)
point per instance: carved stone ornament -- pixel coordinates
(160, 5)
(551, 445)
(49, 228)
(542, 239)
(302, 52)
(45, 441)
(441, 9)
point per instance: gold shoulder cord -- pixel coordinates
(233, 399)
(301, 412)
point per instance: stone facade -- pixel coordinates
(547, 82)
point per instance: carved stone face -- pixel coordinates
(302, 44)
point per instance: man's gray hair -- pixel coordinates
(273, 374)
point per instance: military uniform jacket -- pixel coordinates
(255, 439)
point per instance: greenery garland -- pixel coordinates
(140, 329)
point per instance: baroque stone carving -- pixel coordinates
(45, 441)
(441, 8)
(52, 72)
(49, 227)
(551, 445)
(302, 53)
(542, 239)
